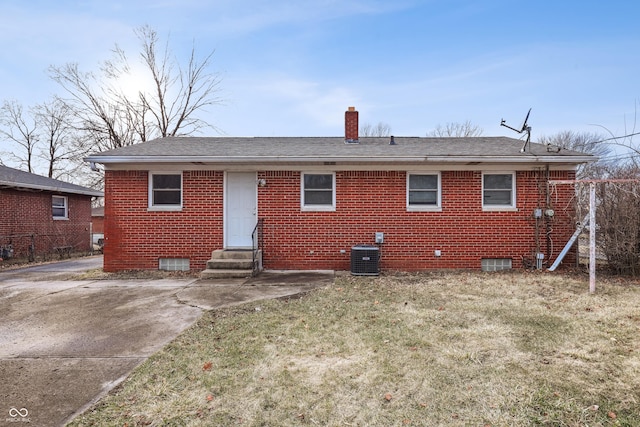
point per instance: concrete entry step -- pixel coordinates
(230, 264)
(225, 273)
(232, 254)
(225, 263)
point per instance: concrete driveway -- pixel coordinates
(65, 343)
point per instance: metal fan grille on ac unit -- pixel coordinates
(365, 260)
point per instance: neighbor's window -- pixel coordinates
(165, 191)
(423, 191)
(318, 192)
(498, 190)
(60, 207)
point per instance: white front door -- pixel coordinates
(240, 209)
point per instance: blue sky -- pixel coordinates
(291, 68)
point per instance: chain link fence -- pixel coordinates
(43, 244)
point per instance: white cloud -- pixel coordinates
(283, 105)
(286, 74)
(231, 17)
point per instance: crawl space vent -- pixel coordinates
(496, 264)
(174, 264)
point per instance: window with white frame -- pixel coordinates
(60, 207)
(498, 190)
(318, 192)
(165, 191)
(423, 191)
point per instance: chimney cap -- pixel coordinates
(351, 109)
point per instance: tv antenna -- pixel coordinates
(525, 128)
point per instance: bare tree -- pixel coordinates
(626, 141)
(381, 129)
(43, 139)
(585, 142)
(456, 129)
(100, 120)
(107, 117)
(618, 219)
(195, 88)
(56, 135)
(20, 127)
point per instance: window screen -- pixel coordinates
(498, 190)
(318, 190)
(166, 190)
(423, 190)
(59, 206)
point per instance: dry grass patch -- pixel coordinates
(100, 274)
(460, 349)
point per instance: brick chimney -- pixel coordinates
(351, 125)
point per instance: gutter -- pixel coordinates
(304, 159)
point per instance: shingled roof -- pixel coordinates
(274, 150)
(14, 178)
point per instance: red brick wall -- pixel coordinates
(366, 202)
(136, 238)
(26, 213)
(97, 223)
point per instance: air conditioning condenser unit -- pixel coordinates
(365, 260)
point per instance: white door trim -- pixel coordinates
(247, 221)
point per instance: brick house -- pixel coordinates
(97, 219)
(42, 215)
(478, 202)
(97, 228)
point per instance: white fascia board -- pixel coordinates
(302, 159)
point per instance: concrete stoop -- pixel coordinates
(230, 264)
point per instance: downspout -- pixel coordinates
(547, 218)
(538, 217)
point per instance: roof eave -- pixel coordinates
(93, 193)
(338, 159)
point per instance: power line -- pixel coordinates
(618, 137)
(620, 157)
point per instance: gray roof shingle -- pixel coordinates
(14, 178)
(369, 149)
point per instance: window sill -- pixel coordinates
(318, 209)
(60, 218)
(164, 209)
(499, 209)
(424, 209)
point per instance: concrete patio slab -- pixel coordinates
(65, 343)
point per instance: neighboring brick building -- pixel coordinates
(41, 215)
(97, 220)
(440, 202)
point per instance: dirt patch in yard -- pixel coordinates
(100, 274)
(290, 278)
